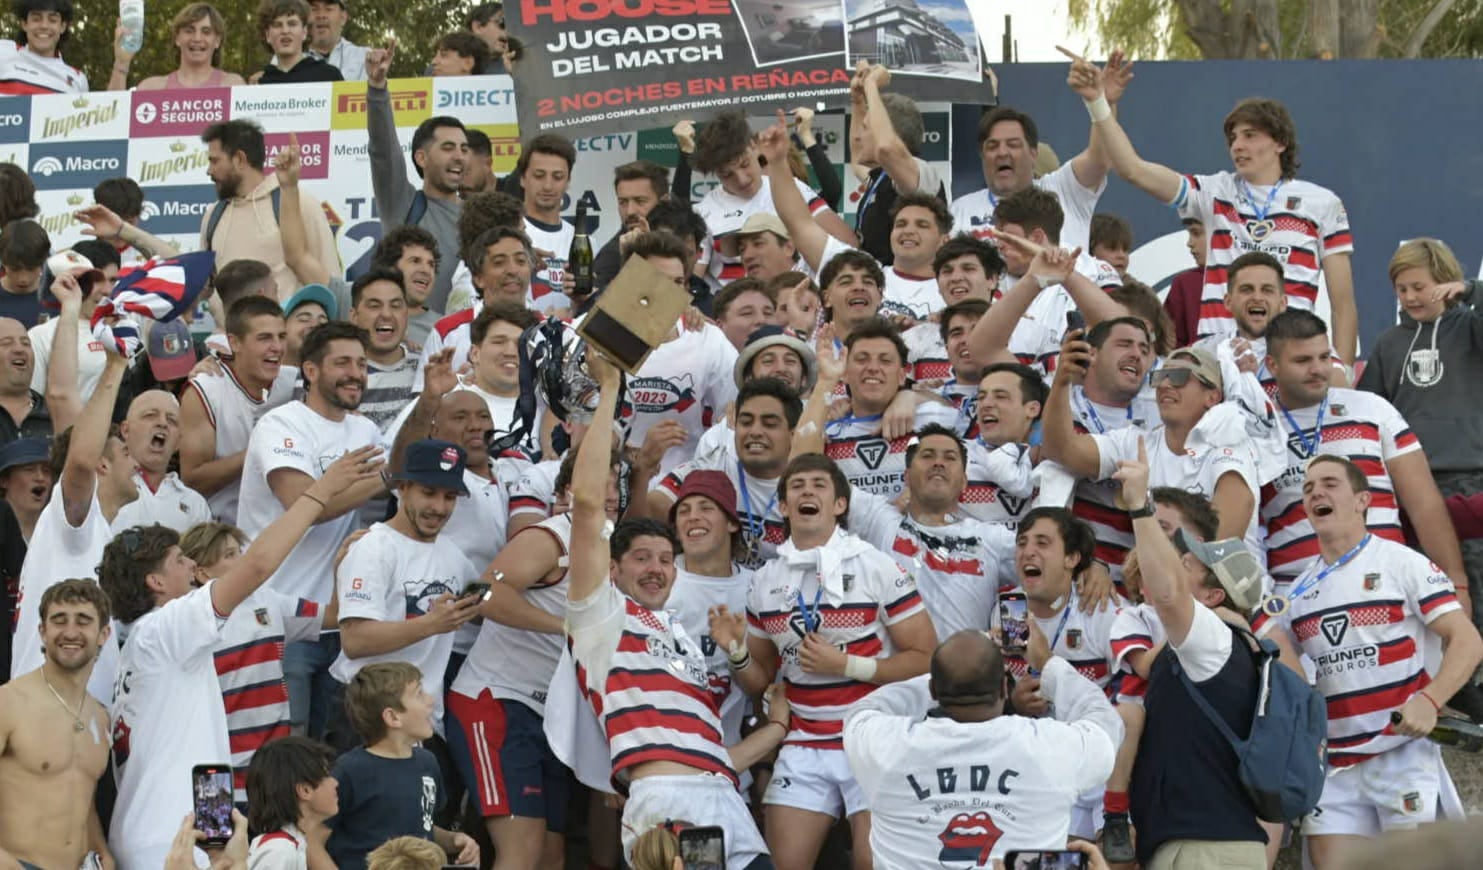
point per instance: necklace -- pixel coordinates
(77, 723)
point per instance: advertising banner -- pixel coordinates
(600, 66)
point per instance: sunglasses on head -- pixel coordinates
(1177, 377)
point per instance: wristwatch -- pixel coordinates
(1140, 513)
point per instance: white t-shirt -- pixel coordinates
(944, 793)
(172, 504)
(545, 283)
(973, 213)
(688, 379)
(389, 577)
(535, 490)
(724, 213)
(917, 297)
(690, 600)
(22, 71)
(297, 438)
(167, 717)
(234, 413)
(57, 552)
(91, 357)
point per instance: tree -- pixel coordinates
(415, 23)
(1285, 29)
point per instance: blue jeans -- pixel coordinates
(312, 692)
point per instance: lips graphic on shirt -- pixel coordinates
(969, 838)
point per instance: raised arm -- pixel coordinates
(808, 435)
(1092, 164)
(102, 223)
(296, 251)
(679, 186)
(590, 554)
(892, 153)
(1060, 442)
(830, 187)
(389, 182)
(1158, 561)
(438, 380)
(1152, 178)
(63, 394)
(270, 548)
(808, 237)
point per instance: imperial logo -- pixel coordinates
(181, 160)
(61, 128)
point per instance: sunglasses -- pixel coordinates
(1177, 377)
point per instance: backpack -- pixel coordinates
(1282, 763)
(417, 209)
(219, 211)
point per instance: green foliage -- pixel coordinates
(415, 23)
(1157, 28)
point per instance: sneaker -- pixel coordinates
(1117, 839)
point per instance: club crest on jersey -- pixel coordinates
(1334, 627)
(1293, 202)
(261, 615)
(872, 452)
(1424, 367)
(1073, 638)
(969, 838)
(1411, 800)
(1372, 581)
(448, 459)
(1337, 410)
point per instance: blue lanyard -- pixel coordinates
(866, 198)
(966, 406)
(851, 418)
(1261, 212)
(1309, 447)
(811, 620)
(1311, 579)
(758, 529)
(1056, 638)
(1096, 420)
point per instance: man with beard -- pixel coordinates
(401, 585)
(440, 152)
(290, 448)
(219, 412)
(638, 186)
(54, 737)
(378, 304)
(244, 224)
(668, 762)
(1254, 296)
(414, 252)
(23, 412)
(503, 263)
(95, 479)
(151, 434)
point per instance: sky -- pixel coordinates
(1038, 27)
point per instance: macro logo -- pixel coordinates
(176, 209)
(411, 103)
(91, 116)
(72, 165)
(15, 120)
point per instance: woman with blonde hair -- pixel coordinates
(1428, 366)
(198, 31)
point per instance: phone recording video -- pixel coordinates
(1013, 621)
(703, 848)
(211, 790)
(1050, 859)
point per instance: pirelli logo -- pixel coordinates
(401, 101)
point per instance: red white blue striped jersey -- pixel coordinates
(1361, 427)
(1136, 628)
(1000, 487)
(1364, 627)
(863, 593)
(646, 679)
(1303, 224)
(249, 667)
(1093, 500)
(869, 460)
(1084, 640)
(926, 354)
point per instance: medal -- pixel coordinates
(1259, 230)
(1274, 606)
(1263, 226)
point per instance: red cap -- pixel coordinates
(714, 485)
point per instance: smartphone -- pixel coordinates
(703, 848)
(477, 590)
(211, 791)
(1075, 321)
(1014, 614)
(1057, 859)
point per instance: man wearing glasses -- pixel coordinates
(1200, 446)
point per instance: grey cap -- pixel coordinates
(1238, 572)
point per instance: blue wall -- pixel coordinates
(1401, 142)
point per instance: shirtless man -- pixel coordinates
(54, 739)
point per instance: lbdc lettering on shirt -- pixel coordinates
(974, 779)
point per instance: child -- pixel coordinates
(290, 792)
(459, 53)
(24, 247)
(284, 27)
(390, 787)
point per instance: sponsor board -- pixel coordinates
(184, 113)
(177, 210)
(281, 108)
(314, 152)
(411, 103)
(456, 96)
(15, 121)
(168, 161)
(73, 165)
(73, 117)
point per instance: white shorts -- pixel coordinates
(814, 779)
(1394, 790)
(699, 799)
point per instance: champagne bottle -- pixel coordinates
(579, 260)
(1452, 731)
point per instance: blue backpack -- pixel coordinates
(1283, 760)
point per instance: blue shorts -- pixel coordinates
(501, 752)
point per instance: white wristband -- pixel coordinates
(1099, 109)
(860, 668)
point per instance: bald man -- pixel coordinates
(951, 777)
(151, 432)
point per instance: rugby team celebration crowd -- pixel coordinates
(921, 540)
